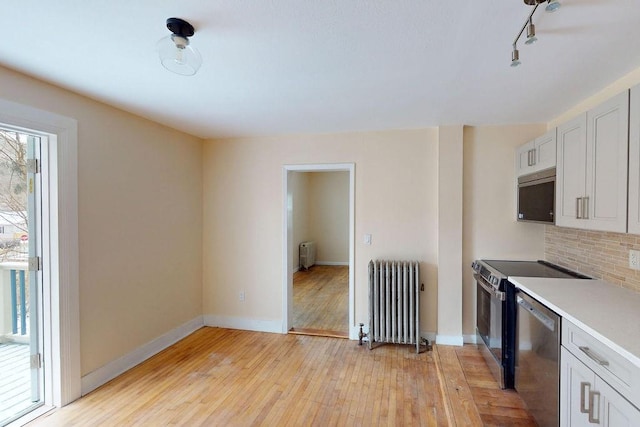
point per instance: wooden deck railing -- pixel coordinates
(14, 301)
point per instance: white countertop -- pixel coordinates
(607, 312)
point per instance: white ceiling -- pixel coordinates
(288, 66)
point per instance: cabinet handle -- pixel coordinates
(593, 356)
(533, 156)
(585, 388)
(585, 208)
(578, 207)
(594, 407)
(529, 158)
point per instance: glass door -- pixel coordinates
(35, 294)
(21, 382)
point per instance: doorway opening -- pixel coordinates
(45, 290)
(319, 221)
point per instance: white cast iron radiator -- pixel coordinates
(307, 254)
(394, 303)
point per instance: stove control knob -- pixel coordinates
(494, 281)
(474, 266)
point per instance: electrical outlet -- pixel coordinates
(241, 296)
(634, 259)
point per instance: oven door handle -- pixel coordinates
(499, 295)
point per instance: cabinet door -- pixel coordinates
(571, 171)
(545, 149)
(607, 155)
(525, 158)
(613, 409)
(576, 382)
(634, 161)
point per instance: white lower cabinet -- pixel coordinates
(587, 400)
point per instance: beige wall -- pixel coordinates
(299, 188)
(395, 193)
(140, 218)
(489, 212)
(329, 215)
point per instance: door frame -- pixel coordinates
(287, 241)
(60, 270)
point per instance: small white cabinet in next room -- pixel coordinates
(591, 181)
(588, 400)
(537, 155)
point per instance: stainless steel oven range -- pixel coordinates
(496, 310)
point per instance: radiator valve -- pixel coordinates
(361, 334)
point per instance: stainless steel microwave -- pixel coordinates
(537, 197)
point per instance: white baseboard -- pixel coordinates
(332, 263)
(106, 373)
(470, 339)
(457, 340)
(246, 324)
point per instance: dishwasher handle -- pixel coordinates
(547, 321)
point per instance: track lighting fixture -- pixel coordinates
(552, 6)
(176, 53)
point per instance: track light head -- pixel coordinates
(515, 57)
(531, 34)
(552, 5)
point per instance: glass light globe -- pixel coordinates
(177, 56)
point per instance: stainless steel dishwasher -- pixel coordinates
(537, 372)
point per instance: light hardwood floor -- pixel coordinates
(321, 301)
(223, 377)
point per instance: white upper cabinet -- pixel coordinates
(524, 159)
(591, 186)
(571, 175)
(634, 161)
(536, 155)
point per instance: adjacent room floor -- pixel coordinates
(321, 301)
(240, 378)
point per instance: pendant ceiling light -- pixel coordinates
(176, 53)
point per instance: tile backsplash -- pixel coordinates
(599, 254)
